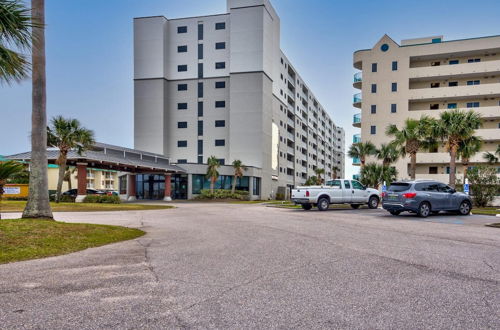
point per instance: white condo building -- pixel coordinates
(221, 86)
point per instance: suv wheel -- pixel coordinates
(464, 208)
(373, 202)
(424, 209)
(395, 212)
(307, 207)
(323, 204)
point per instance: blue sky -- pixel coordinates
(90, 65)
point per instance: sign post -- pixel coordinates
(466, 186)
(384, 187)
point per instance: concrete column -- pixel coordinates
(81, 182)
(168, 187)
(131, 187)
(250, 188)
(190, 186)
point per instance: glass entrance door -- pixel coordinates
(179, 186)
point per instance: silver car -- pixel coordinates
(424, 197)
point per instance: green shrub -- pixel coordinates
(13, 198)
(67, 199)
(223, 194)
(484, 184)
(104, 199)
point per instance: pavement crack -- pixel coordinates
(147, 259)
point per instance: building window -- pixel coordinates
(200, 31)
(394, 87)
(200, 89)
(220, 123)
(220, 65)
(182, 87)
(182, 68)
(435, 106)
(182, 29)
(435, 85)
(182, 144)
(473, 60)
(200, 70)
(222, 161)
(452, 105)
(436, 40)
(220, 26)
(220, 143)
(182, 161)
(373, 130)
(374, 88)
(123, 185)
(453, 84)
(373, 109)
(394, 65)
(256, 186)
(393, 108)
(200, 147)
(200, 51)
(374, 67)
(200, 127)
(200, 159)
(452, 62)
(182, 49)
(220, 104)
(437, 63)
(220, 84)
(433, 170)
(220, 45)
(472, 104)
(473, 82)
(200, 109)
(182, 106)
(182, 124)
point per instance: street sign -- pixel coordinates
(384, 187)
(466, 186)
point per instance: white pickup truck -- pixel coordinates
(340, 191)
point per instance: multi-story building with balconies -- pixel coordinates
(220, 86)
(426, 76)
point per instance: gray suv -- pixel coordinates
(424, 197)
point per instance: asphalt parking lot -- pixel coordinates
(250, 266)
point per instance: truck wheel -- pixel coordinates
(373, 202)
(424, 209)
(323, 204)
(355, 206)
(307, 207)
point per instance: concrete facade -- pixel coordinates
(431, 76)
(221, 86)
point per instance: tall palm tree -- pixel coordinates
(361, 150)
(319, 172)
(370, 175)
(38, 205)
(335, 170)
(212, 173)
(67, 176)
(468, 148)
(410, 138)
(239, 168)
(7, 170)
(492, 158)
(66, 135)
(388, 153)
(15, 31)
(454, 127)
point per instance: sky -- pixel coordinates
(90, 55)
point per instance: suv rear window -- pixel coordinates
(397, 187)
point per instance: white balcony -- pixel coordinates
(444, 158)
(290, 122)
(456, 70)
(486, 112)
(489, 134)
(454, 93)
(290, 150)
(290, 136)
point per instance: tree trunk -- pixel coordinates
(233, 188)
(465, 163)
(212, 184)
(413, 165)
(69, 181)
(60, 179)
(453, 155)
(38, 205)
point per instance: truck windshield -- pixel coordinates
(398, 186)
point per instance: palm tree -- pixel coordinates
(212, 173)
(319, 172)
(7, 170)
(454, 127)
(361, 150)
(468, 148)
(38, 205)
(239, 168)
(66, 135)
(15, 31)
(490, 157)
(373, 174)
(67, 176)
(410, 138)
(335, 170)
(388, 153)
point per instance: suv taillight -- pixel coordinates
(384, 194)
(409, 195)
(307, 193)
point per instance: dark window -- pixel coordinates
(220, 45)
(473, 82)
(394, 65)
(182, 144)
(182, 124)
(220, 104)
(256, 186)
(398, 187)
(433, 170)
(220, 65)
(373, 129)
(200, 109)
(182, 106)
(200, 31)
(182, 161)
(451, 62)
(220, 84)
(472, 104)
(200, 159)
(373, 108)
(435, 63)
(182, 68)
(435, 106)
(182, 49)
(453, 84)
(182, 29)
(473, 60)
(220, 123)
(394, 87)
(444, 188)
(374, 88)
(223, 162)
(200, 147)
(200, 70)
(200, 51)
(393, 108)
(452, 105)
(347, 184)
(200, 127)
(435, 85)
(200, 89)
(374, 67)
(182, 87)
(220, 143)
(220, 26)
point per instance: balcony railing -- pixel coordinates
(356, 177)
(356, 98)
(358, 77)
(356, 138)
(356, 119)
(356, 161)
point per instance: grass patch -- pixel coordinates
(18, 206)
(486, 211)
(24, 239)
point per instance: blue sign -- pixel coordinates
(384, 187)
(466, 188)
